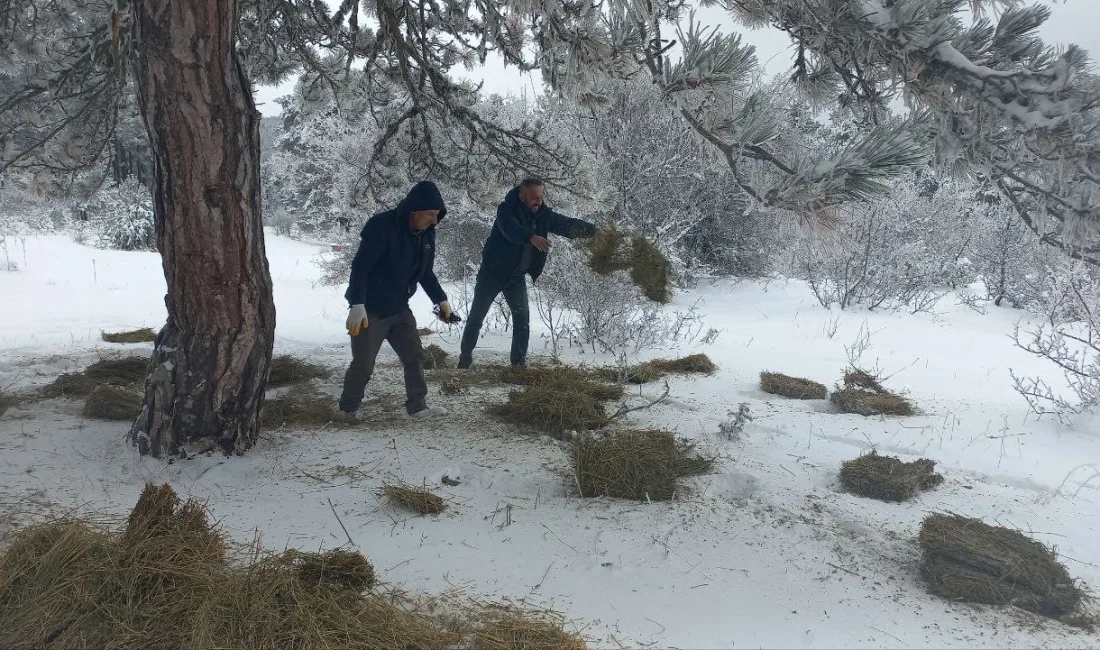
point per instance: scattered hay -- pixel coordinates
(607, 251)
(792, 387)
(435, 357)
(610, 250)
(71, 585)
(970, 561)
(302, 407)
(123, 372)
(887, 478)
(414, 499)
(526, 633)
(425, 331)
(650, 271)
(655, 369)
(563, 378)
(337, 568)
(287, 370)
(143, 335)
(552, 410)
(112, 403)
(862, 394)
(634, 464)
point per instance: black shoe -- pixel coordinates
(464, 364)
(519, 364)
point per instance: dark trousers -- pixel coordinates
(486, 289)
(400, 331)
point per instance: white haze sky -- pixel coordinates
(1073, 22)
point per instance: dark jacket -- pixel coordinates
(504, 250)
(392, 259)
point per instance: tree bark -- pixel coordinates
(212, 356)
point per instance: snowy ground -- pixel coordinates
(764, 553)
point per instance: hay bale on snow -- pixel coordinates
(112, 403)
(552, 410)
(655, 369)
(143, 335)
(862, 394)
(792, 387)
(302, 407)
(634, 464)
(564, 378)
(968, 560)
(861, 402)
(287, 370)
(435, 357)
(887, 478)
(119, 372)
(123, 372)
(415, 499)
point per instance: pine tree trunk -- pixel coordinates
(212, 356)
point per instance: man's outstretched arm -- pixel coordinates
(569, 227)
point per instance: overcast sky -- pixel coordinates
(1073, 22)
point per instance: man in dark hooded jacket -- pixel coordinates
(396, 252)
(516, 248)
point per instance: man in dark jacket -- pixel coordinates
(516, 248)
(396, 252)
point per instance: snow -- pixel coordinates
(764, 553)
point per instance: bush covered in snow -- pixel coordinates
(121, 217)
(907, 251)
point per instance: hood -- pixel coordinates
(423, 196)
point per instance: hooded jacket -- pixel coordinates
(504, 251)
(392, 259)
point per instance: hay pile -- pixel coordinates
(519, 632)
(143, 335)
(563, 378)
(303, 406)
(552, 410)
(634, 464)
(435, 357)
(415, 499)
(887, 478)
(777, 383)
(166, 582)
(112, 403)
(862, 394)
(126, 372)
(656, 369)
(169, 580)
(336, 568)
(968, 560)
(611, 250)
(287, 370)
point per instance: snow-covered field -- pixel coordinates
(766, 552)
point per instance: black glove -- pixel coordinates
(451, 318)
